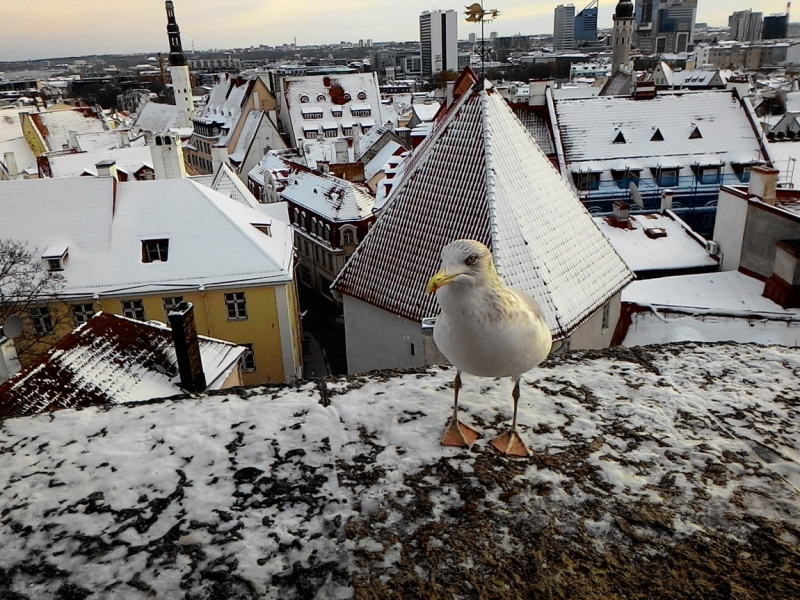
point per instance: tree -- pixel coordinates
(34, 293)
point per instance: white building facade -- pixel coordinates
(438, 34)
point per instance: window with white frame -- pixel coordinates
(264, 228)
(348, 237)
(170, 304)
(155, 250)
(709, 175)
(606, 316)
(247, 362)
(236, 306)
(82, 312)
(133, 309)
(668, 177)
(41, 320)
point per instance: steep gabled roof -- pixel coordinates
(480, 175)
(110, 360)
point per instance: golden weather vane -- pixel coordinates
(477, 14)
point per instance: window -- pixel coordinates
(348, 131)
(155, 250)
(361, 112)
(305, 276)
(625, 177)
(308, 250)
(657, 136)
(744, 174)
(266, 229)
(41, 320)
(304, 99)
(311, 135)
(348, 237)
(620, 139)
(247, 363)
(362, 95)
(587, 181)
(236, 306)
(709, 175)
(133, 309)
(82, 312)
(321, 98)
(170, 304)
(606, 316)
(312, 115)
(336, 111)
(331, 133)
(347, 97)
(413, 349)
(55, 264)
(668, 177)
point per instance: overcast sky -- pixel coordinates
(53, 28)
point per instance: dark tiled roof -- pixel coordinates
(480, 175)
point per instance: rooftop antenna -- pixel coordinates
(474, 14)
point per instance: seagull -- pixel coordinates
(485, 329)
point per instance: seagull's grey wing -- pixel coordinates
(528, 300)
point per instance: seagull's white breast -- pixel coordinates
(490, 333)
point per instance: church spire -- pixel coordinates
(176, 57)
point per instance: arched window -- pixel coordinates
(349, 238)
(327, 234)
(158, 140)
(167, 140)
(362, 95)
(304, 99)
(347, 97)
(321, 98)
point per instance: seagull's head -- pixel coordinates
(464, 263)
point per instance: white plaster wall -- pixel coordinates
(591, 335)
(377, 339)
(729, 229)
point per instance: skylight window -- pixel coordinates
(264, 228)
(696, 134)
(657, 136)
(155, 250)
(620, 139)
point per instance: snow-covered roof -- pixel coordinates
(89, 142)
(227, 183)
(129, 160)
(247, 135)
(156, 117)
(793, 102)
(225, 103)
(10, 126)
(379, 160)
(426, 111)
(652, 463)
(670, 245)
(328, 196)
(110, 360)
(212, 240)
(55, 127)
(480, 175)
(784, 156)
(309, 93)
(26, 161)
(589, 127)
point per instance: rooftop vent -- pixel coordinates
(657, 136)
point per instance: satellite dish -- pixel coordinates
(12, 327)
(636, 195)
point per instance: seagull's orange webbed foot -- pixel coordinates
(511, 444)
(458, 434)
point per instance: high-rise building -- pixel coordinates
(564, 28)
(438, 34)
(178, 71)
(623, 32)
(586, 23)
(665, 26)
(745, 25)
(776, 27)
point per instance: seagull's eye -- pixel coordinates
(471, 260)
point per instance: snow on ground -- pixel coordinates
(665, 472)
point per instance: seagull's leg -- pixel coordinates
(458, 434)
(510, 443)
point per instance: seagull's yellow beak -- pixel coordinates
(439, 280)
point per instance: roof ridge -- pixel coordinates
(483, 98)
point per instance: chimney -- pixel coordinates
(219, 155)
(621, 211)
(666, 200)
(356, 142)
(187, 347)
(783, 286)
(256, 103)
(763, 181)
(11, 163)
(107, 168)
(451, 86)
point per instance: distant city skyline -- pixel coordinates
(54, 28)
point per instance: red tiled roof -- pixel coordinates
(480, 175)
(107, 360)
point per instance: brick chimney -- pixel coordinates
(763, 181)
(783, 286)
(187, 347)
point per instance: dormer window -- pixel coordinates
(304, 99)
(362, 95)
(155, 250)
(321, 98)
(696, 135)
(264, 228)
(336, 111)
(620, 139)
(347, 131)
(347, 97)
(657, 136)
(348, 236)
(55, 258)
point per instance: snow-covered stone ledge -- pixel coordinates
(663, 472)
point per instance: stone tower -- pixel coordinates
(623, 32)
(179, 71)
